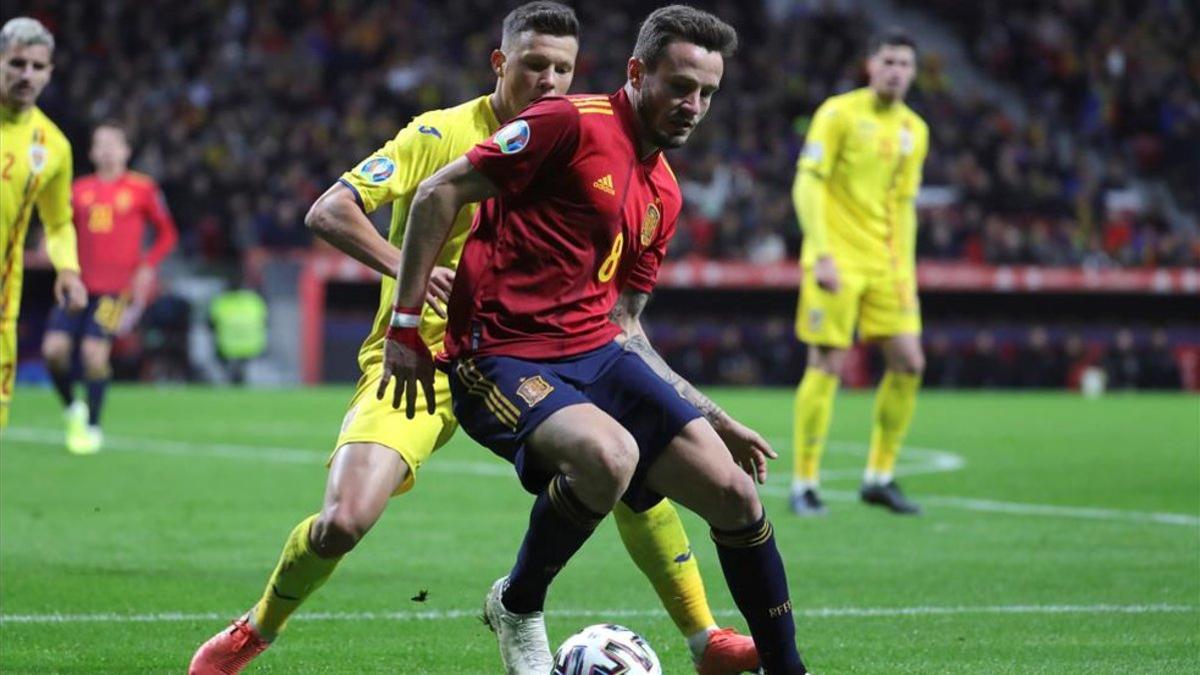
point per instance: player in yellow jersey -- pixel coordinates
(35, 171)
(379, 451)
(855, 192)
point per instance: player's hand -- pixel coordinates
(142, 284)
(69, 291)
(826, 273)
(749, 449)
(437, 294)
(407, 359)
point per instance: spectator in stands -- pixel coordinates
(944, 365)
(1040, 364)
(1159, 369)
(1121, 364)
(984, 366)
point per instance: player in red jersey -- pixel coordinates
(550, 366)
(112, 207)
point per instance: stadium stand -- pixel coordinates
(245, 112)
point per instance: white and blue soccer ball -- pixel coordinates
(606, 649)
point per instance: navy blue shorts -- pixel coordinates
(100, 319)
(500, 400)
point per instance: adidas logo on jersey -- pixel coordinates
(605, 184)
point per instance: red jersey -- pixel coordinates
(579, 217)
(110, 218)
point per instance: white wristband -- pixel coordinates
(400, 320)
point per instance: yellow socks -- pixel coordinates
(813, 411)
(657, 543)
(894, 405)
(300, 572)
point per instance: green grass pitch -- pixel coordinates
(1061, 535)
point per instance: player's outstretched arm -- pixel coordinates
(430, 219)
(337, 218)
(748, 447)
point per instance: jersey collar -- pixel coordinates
(16, 116)
(624, 107)
(492, 120)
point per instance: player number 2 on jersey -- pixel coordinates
(609, 267)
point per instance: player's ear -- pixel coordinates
(635, 71)
(498, 59)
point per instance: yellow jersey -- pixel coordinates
(35, 170)
(857, 181)
(392, 174)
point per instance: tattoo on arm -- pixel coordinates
(627, 315)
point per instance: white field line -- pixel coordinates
(929, 461)
(453, 614)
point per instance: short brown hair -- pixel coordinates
(541, 16)
(114, 124)
(892, 36)
(681, 23)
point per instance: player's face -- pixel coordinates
(675, 95)
(110, 149)
(24, 72)
(537, 65)
(892, 69)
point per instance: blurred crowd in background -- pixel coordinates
(958, 356)
(1084, 149)
(246, 111)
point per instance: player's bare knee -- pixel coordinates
(57, 353)
(337, 531)
(620, 458)
(737, 503)
(95, 366)
(606, 470)
(828, 359)
(909, 364)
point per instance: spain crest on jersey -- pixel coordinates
(650, 223)
(124, 200)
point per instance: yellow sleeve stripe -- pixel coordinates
(593, 104)
(595, 112)
(667, 166)
(578, 99)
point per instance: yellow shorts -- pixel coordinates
(882, 305)
(370, 420)
(8, 366)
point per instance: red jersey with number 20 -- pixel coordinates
(579, 217)
(110, 218)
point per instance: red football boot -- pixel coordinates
(728, 653)
(227, 652)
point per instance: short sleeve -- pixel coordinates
(545, 134)
(395, 169)
(823, 142)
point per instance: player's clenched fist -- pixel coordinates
(406, 358)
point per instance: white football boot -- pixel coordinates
(524, 648)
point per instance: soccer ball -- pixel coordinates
(603, 649)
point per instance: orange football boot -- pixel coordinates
(227, 652)
(727, 653)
